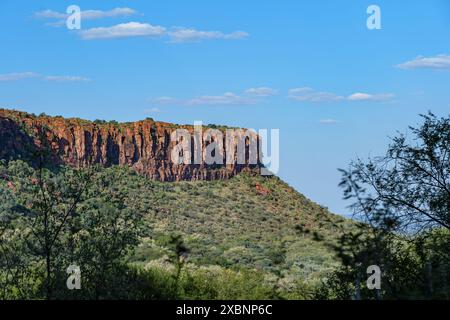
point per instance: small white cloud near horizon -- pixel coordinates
(249, 96)
(310, 95)
(360, 96)
(307, 94)
(123, 30)
(163, 100)
(18, 76)
(228, 98)
(438, 62)
(152, 110)
(261, 92)
(328, 121)
(67, 79)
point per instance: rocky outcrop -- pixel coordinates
(143, 145)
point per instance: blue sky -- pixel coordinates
(334, 88)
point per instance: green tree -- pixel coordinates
(106, 231)
(403, 202)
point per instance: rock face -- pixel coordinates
(144, 145)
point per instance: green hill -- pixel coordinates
(246, 221)
(248, 226)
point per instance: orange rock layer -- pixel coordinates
(143, 145)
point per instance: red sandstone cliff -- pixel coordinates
(144, 145)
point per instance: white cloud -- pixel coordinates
(437, 62)
(152, 110)
(17, 76)
(310, 95)
(27, 75)
(261, 92)
(163, 100)
(123, 30)
(328, 121)
(88, 14)
(228, 98)
(248, 97)
(255, 95)
(359, 96)
(137, 29)
(67, 78)
(191, 35)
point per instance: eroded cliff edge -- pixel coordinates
(143, 145)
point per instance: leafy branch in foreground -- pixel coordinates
(403, 202)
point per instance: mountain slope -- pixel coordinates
(238, 220)
(247, 221)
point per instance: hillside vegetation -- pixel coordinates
(248, 221)
(228, 229)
